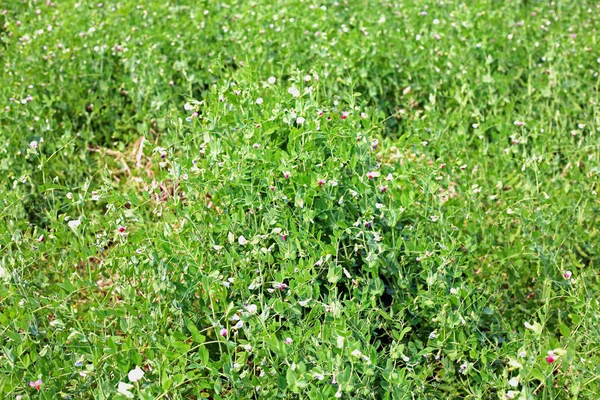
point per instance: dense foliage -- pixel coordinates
(289, 199)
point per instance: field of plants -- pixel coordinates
(291, 199)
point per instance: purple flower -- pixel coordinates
(37, 384)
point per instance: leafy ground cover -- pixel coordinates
(291, 199)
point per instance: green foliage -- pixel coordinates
(298, 200)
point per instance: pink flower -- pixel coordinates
(121, 229)
(284, 237)
(286, 174)
(550, 359)
(37, 384)
(344, 115)
(321, 182)
(383, 189)
(288, 341)
(373, 174)
(567, 274)
(224, 332)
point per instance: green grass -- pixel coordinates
(299, 200)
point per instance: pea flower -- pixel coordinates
(272, 80)
(74, 224)
(373, 174)
(223, 332)
(37, 384)
(124, 389)
(288, 341)
(294, 92)
(135, 374)
(567, 274)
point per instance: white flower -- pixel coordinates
(242, 241)
(74, 224)
(453, 290)
(70, 196)
(238, 325)
(307, 78)
(124, 388)
(338, 394)
(188, 107)
(356, 353)
(514, 382)
(259, 101)
(135, 374)
(33, 144)
(294, 92)
(511, 394)
(288, 341)
(272, 80)
(300, 120)
(252, 308)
